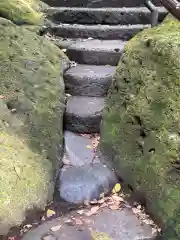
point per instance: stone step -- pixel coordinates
(93, 51)
(98, 3)
(111, 16)
(123, 32)
(83, 114)
(121, 224)
(89, 80)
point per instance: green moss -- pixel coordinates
(25, 176)
(31, 115)
(31, 81)
(21, 11)
(141, 121)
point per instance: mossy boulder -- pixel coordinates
(141, 122)
(25, 175)
(31, 113)
(21, 11)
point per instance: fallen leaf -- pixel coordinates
(80, 212)
(28, 226)
(117, 188)
(78, 221)
(56, 228)
(139, 207)
(117, 198)
(50, 213)
(102, 195)
(89, 147)
(136, 211)
(92, 211)
(101, 201)
(104, 205)
(114, 207)
(94, 201)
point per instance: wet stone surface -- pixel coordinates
(78, 149)
(77, 184)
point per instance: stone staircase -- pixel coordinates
(94, 39)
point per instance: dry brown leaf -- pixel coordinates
(148, 221)
(94, 201)
(93, 211)
(101, 201)
(139, 207)
(136, 211)
(102, 195)
(56, 228)
(114, 207)
(117, 198)
(78, 221)
(80, 212)
(104, 205)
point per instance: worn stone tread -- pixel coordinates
(97, 31)
(89, 80)
(112, 16)
(92, 51)
(83, 114)
(120, 224)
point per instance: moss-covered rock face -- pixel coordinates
(31, 112)
(141, 123)
(21, 11)
(25, 175)
(32, 84)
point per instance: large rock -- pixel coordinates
(32, 105)
(140, 131)
(87, 182)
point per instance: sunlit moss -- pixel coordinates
(21, 11)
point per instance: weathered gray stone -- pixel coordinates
(97, 31)
(78, 149)
(83, 114)
(122, 16)
(77, 184)
(98, 3)
(89, 80)
(93, 51)
(118, 225)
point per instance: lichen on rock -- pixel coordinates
(141, 127)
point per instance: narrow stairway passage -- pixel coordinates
(94, 39)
